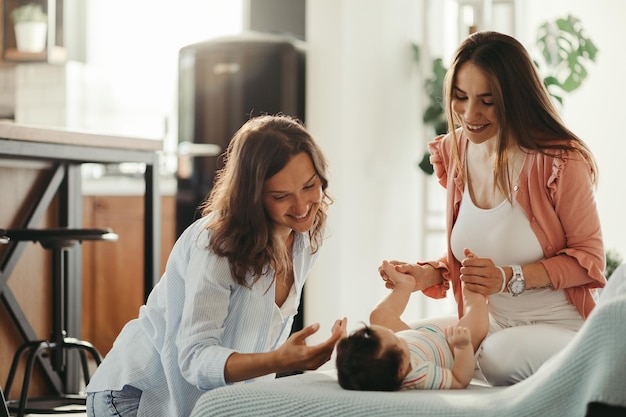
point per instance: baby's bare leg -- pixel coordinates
(476, 316)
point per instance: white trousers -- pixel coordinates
(513, 354)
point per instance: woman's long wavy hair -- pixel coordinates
(526, 113)
(242, 231)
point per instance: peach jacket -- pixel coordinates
(557, 195)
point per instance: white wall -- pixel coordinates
(132, 60)
(363, 107)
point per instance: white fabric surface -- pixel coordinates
(592, 368)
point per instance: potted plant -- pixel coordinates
(31, 25)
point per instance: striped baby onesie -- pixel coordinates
(431, 358)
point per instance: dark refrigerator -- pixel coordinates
(222, 83)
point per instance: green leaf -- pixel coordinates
(566, 51)
(432, 114)
(416, 52)
(425, 164)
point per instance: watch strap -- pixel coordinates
(518, 275)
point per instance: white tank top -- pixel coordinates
(279, 315)
(503, 233)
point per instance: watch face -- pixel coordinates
(517, 287)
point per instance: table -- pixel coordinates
(65, 151)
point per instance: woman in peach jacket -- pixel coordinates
(520, 195)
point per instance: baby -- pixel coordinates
(388, 355)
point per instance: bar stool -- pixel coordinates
(58, 240)
(4, 411)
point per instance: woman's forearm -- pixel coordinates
(535, 276)
(293, 355)
(244, 366)
(429, 277)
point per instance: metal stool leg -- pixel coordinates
(82, 347)
(4, 411)
(30, 363)
(16, 361)
(34, 349)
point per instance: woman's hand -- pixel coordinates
(394, 278)
(295, 355)
(424, 275)
(480, 275)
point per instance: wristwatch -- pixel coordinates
(517, 284)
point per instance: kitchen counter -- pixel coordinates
(67, 140)
(60, 136)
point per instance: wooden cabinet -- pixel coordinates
(113, 271)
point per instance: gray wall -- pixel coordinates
(277, 16)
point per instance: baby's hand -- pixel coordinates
(393, 278)
(458, 336)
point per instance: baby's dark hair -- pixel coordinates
(362, 365)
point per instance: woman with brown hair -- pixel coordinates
(223, 310)
(520, 195)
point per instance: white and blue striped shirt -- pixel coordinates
(194, 319)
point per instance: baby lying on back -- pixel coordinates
(388, 355)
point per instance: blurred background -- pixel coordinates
(362, 96)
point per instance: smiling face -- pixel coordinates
(293, 195)
(473, 105)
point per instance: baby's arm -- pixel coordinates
(459, 339)
(388, 311)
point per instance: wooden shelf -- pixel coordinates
(13, 54)
(55, 54)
